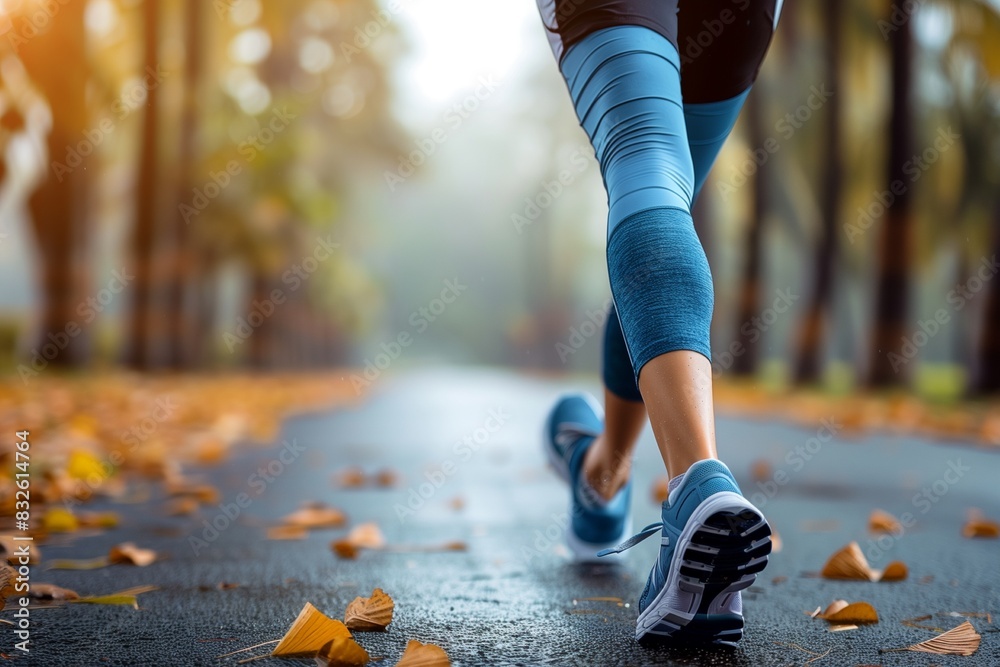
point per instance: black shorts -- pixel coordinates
(721, 42)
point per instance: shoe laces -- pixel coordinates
(646, 532)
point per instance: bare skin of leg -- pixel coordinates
(608, 462)
(677, 387)
(677, 390)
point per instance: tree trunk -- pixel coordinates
(749, 304)
(183, 271)
(57, 64)
(140, 348)
(987, 378)
(893, 288)
(809, 360)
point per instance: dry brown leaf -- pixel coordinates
(7, 577)
(351, 478)
(882, 522)
(387, 477)
(660, 489)
(841, 628)
(316, 515)
(895, 571)
(52, 592)
(963, 640)
(981, 527)
(776, 543)
(848, 563)
(423, 655)
(856, 613)
(344, 549)
(129, 554)
(760, 470)
(342, 652)
(99, 519)
(205, 494)
(287, 533)
(183, 506)
(371, 614)
(309, 633)
(366, 536)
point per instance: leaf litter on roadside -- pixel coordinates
(315, 515)
(342, 652)
(961, 640)
(309, 633)
(371, 614)
(423, 655)
(841, 612)
(881, 521)
(978, 526)
(130, 554)
(849, 563)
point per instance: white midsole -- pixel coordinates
(724, 501)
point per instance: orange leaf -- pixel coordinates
(129, 554)
(372, 614)
(980, 527)
(856, 613)
(423, 655)
(895, 571)
(52, 592)
(883, 522)
(659, 490)
(342, 652)
(366, 536)
(848, 563)
(962, 640)
(344, 549)
(309, 633)
(316, 515)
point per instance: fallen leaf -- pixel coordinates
(309, 633)
(183, 506)
(423, 655)
(205, 494)
(841, 628)
(121, 600)
(894, 571)
(371, 614)
(760, 470)
(287, 533)
(99, 519)
(882, 522)
(981, 527)
(342, 652)
(457, 503)
(59, 520)
(83, 465)
(129, 554)
(848, 563)
(316, 515)
(84, 564)
(351, 478)
(660, 489)
(10, 549)
(7, 577)
(962, 640)
(52, 592)
(344, 549)
(776, 543)
(226, 585)
(387, 477)
(856, 613)
(366, 536)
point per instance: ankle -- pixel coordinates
(607, 469)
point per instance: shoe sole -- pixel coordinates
(719, 553)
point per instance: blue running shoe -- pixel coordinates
(595, 524)
(714, 542)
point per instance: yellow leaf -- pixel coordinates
(59, 520)
(87, 564)
(310, 631)
(342, 652)
(83, 465)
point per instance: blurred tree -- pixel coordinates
(140, 353)
(896, 240)
(750, 285)
(55, 57)
(809, 352)
(187, 265)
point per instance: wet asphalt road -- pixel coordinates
(513, 598)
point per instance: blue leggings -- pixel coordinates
(655, 153)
